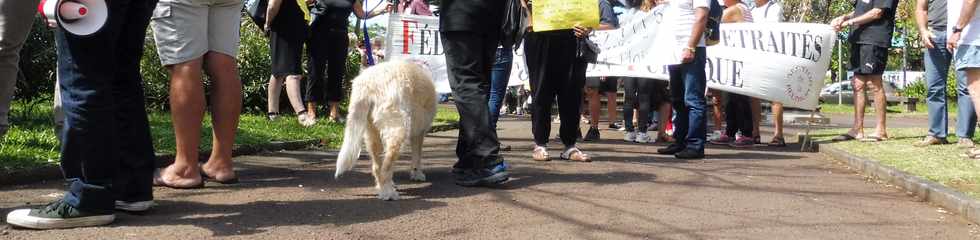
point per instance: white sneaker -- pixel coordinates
(714, 136)
(134, 206)
(643, 138)
(630, 137)
(306, 121)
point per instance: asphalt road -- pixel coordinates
(627, 193)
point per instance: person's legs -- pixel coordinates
(336, 70)
(973, 84)
(630, 99)
(677, 90)
(540, 64)
(859, 83)
(694, 86)
(594, 106)
(294, 92)
(569, 92)
(937, 66)
(226, 106)
(966, 120)
(316, 50)
(15, 24)
(880, 105)
(732, 116)
(272, 99)
(498, 83)
(469, 56)
(187, 112)
(716, 110)
(755, 107)
(611, 85)
(777, 120)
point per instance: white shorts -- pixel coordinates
(185, 30)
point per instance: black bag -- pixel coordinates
(587, 51)
(712, 31)
(515, 24)
(256, 11)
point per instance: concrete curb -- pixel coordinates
(53, 172)
(950, 199)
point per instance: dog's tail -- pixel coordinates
(357, 121)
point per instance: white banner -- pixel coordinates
(780, 62)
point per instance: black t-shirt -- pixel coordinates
(482, 16)
(877, 32)
(290, 22)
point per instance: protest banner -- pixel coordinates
(549, 15)
(780, 62)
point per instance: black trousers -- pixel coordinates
(554, 72)
(107, 151)
(638, 93)
(327, 50)
(738, 115)
(469, 57)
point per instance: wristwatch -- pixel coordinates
(689, 49)
(957, 30)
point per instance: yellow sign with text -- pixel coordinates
(548, 15)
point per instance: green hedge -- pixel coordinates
(39, 60)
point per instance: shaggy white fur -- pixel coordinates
(390, 103)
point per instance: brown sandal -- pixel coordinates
(574, 154)
(540, 154)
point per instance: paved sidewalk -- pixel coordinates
(628, 193)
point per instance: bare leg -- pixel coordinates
(311, 109)
(594, 105)
(665, 114)
(611, 107)
(294, 92)
(860, 100)
(187, 113)
(275, 88)
(881, 104)
(716, 110)
(777, 119)
(334, 110)
(226, 106)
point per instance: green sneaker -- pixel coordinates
(58, 214)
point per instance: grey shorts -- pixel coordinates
(967, 56)
(185, 30)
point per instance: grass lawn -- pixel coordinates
(942, 164)
(897, 110)
(31, 141)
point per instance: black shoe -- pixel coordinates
(671, 149)
(482, 177)
(505, 148)
(593, 134)
(690, 154)
(614, 125)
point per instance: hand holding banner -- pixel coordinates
(549, 15)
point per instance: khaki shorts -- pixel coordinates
(185, 30)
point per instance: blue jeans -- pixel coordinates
(687, 86)
(107, 151)
(499, 76)
(937, 61)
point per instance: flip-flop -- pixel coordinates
(158, 181)
(540, 154)
(872, 139)
(777, 142)
(574, 154)
(205, 177)
(843, 137)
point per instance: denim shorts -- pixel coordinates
(967, 56)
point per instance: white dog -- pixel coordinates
(390, 103)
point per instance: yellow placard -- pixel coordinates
(548, 15)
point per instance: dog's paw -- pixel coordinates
(416, 175)
(388, 193)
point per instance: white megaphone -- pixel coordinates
(78, 17)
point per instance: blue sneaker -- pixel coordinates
(483, 177)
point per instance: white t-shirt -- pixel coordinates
(772, 12)
(971, 33)
(681, 15)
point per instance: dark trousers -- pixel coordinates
(638, 92)
(687, 85)
(737, 115)
(107, 152)
(327, 50)
(554, 72)
(469, 57)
